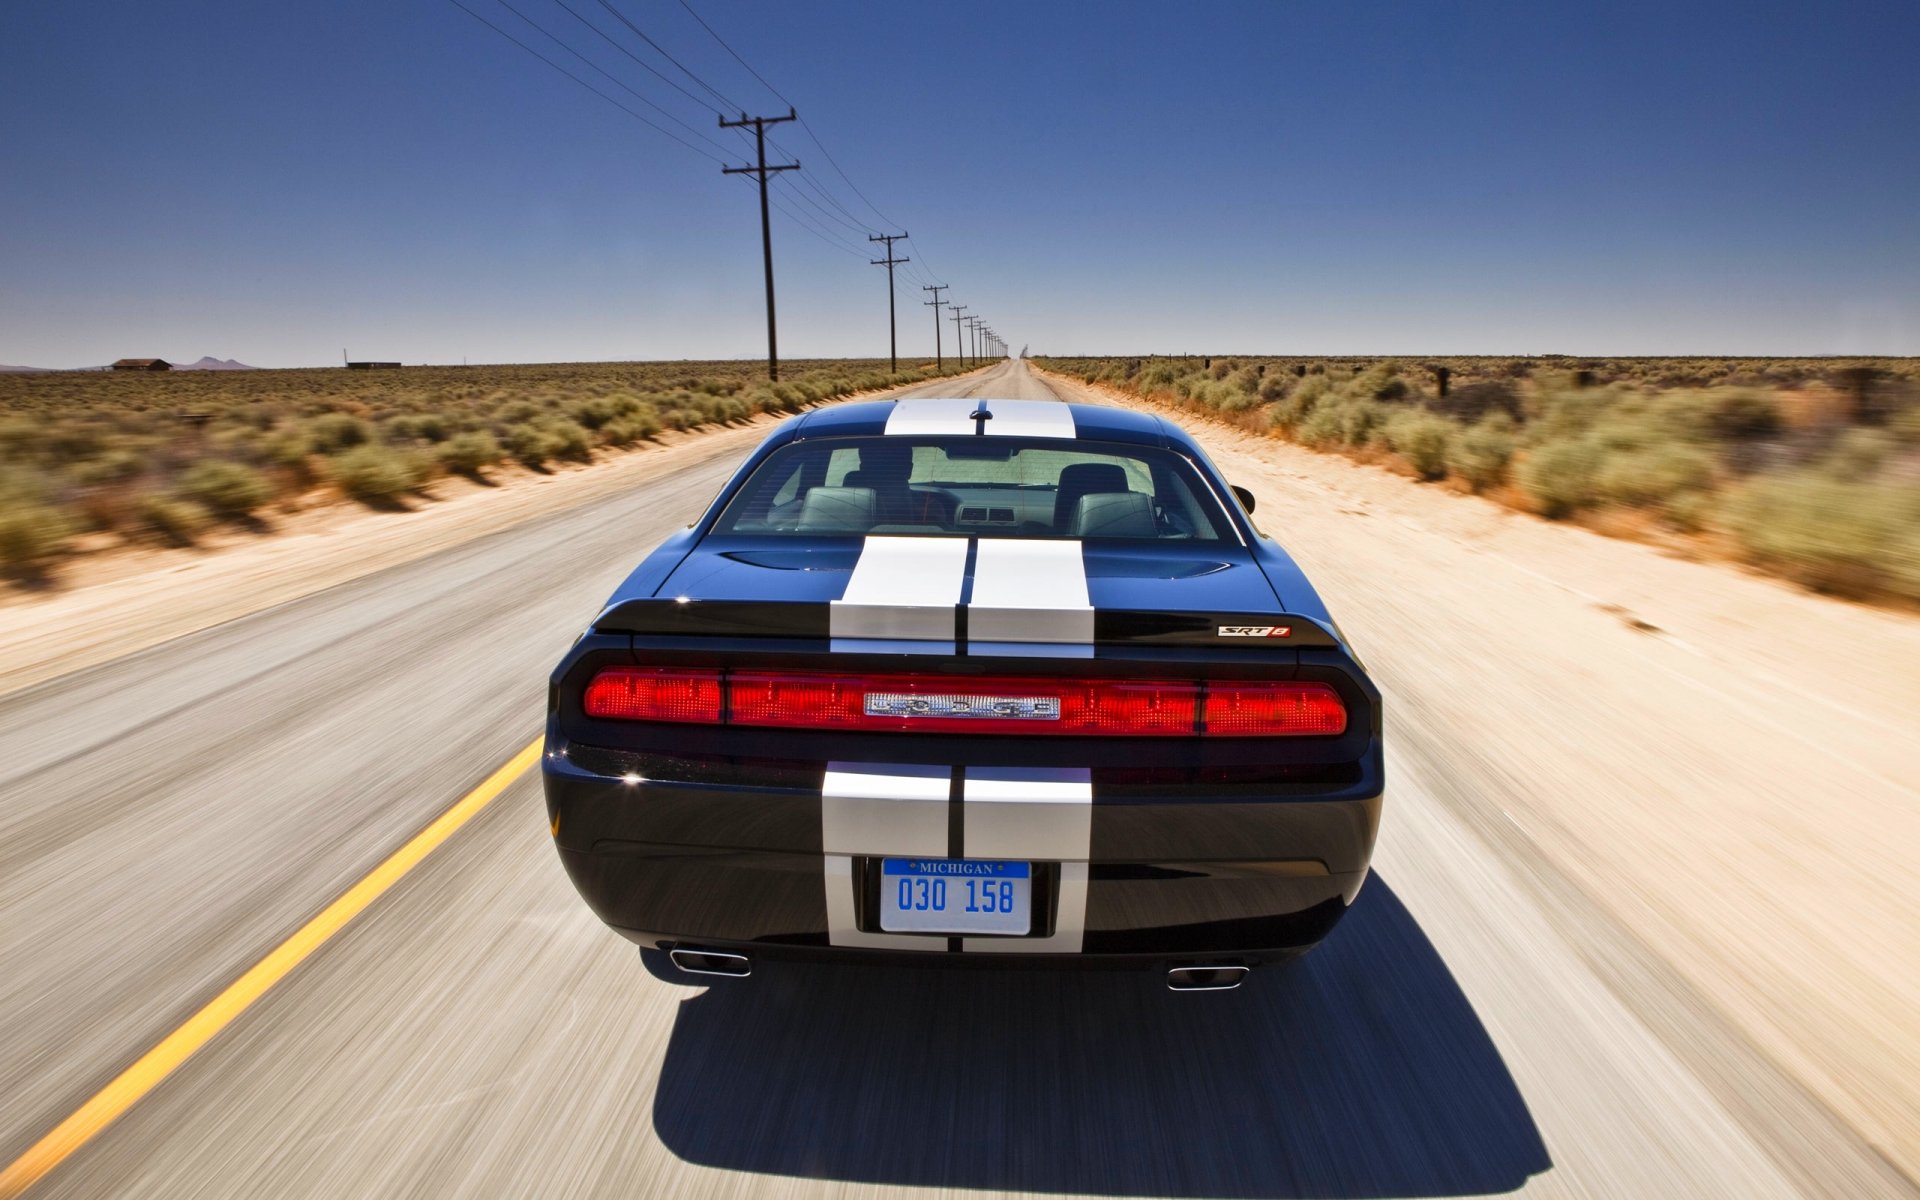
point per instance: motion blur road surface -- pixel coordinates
(1476, 1026)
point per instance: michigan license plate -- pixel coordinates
(955, 895)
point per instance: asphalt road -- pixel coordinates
(168, 818)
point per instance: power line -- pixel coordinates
(643, 63)
(803, 223)
(615, 80)
(815, 138)
(708, 88)
(583, 83)
(800, 218)
(811, 135)
(862, 230)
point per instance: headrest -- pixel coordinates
(1093, 477)
(837, 510)
(1114, 515)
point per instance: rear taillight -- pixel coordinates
(997, 704)
(1235, 709)
(629, 694)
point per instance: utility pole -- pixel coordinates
(935, 304)
(959, 347)
(762, 170)
(973, 337)
(889, 262)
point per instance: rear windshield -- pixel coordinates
(964, 486)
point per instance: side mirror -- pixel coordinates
(1245, 496)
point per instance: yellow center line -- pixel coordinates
(156, 1064)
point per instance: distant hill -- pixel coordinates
(6, 370)
(210, 363)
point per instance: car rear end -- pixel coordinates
(962, 747)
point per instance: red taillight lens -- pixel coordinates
(637, 694)
(1236, 709)
(798, 701)
(998, 704)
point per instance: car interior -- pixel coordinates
(970, 486)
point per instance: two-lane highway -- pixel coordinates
(168, 819)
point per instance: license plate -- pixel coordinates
(955, 895)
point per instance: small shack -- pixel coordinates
(372, 366)
(143, 364)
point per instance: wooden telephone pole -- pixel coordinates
(889, 262)
(762, 170)
(935, 304)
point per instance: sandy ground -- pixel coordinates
(1727, 763)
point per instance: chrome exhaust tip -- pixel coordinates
(1217, 977)
(695, 961)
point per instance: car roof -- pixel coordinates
(933, 415)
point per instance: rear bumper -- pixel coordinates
(785, 866)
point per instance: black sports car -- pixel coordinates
(966, 680)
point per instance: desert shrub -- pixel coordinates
(19, 437)
(1469, 402)
(530, 445)
(1905, 428)
(470, 453)
(1858, 453)
(333, 432)
(1480, 453)
(1302, 400)
(286, 447)
(377, 473)
(416, 427)
(1742, 414)
(637, 427)
(1653, 477)
(1422, 439)
(1380, 382)
(115, 466)
(1274, 386)
(570, 441)
(1320, 427)
(1851, 537)
(33, 529)
(594, 414)
(1557, 411)
(170, 519)
(230, 489)
(1558, 475)
(1359, 420)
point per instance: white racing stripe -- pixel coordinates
(1024, 814)
(931, 417)
(1030, 591)
(872, 808)
(1034, 814)
(1029, 418)
(902, 592)
(1011, 418)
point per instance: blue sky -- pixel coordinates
(276, 182)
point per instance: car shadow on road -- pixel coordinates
(1359, 1070)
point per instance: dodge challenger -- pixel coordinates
(959, 681)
